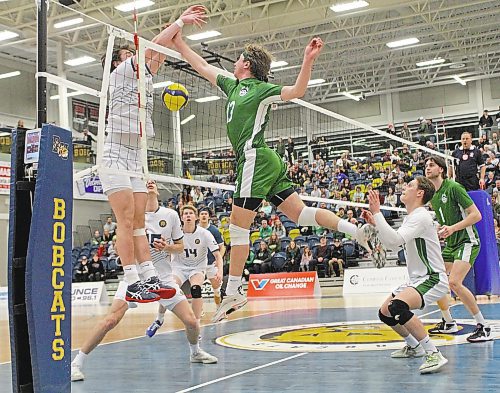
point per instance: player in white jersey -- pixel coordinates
(191, 265)
(164, 230)
(122, 153)
(428, 280)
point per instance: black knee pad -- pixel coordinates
(195, 291)
(389, 321)
(280, 197)
(248, 203)
(400, 311)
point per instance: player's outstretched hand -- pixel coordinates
(374, 201)
(194, 15)
(368, 217)
(313, 49)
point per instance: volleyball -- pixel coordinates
(175, 97)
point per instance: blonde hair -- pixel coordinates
(260, 60)
(190, 207)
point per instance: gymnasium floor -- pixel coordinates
(344, 353)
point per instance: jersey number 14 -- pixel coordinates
(190, 252)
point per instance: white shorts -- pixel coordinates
(211, 271)
(431, 288)
(185, 273)
(120, 157)
(169, 304)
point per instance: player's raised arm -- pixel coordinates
(313, 49)
(206, 70)
(388, 236)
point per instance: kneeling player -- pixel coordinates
(428, 280)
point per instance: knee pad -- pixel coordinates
(195, 291)
(140, 232)
(389, 321)
(400, 311)
(307, 217)
(239, 236)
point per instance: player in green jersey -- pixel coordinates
(456, 214)
(261, 173)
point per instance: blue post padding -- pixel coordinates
(12, 211)
(48, 268)
(486, 268)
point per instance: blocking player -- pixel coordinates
(214, 271)
(163, 228)
(122, 153)
(261, 173)
(457, 214)
(428, 279)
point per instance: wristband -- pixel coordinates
(179, 22)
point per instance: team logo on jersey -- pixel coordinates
(243, 91)
(340, 337)
(163, 223)
(444, 198)
(197, 241)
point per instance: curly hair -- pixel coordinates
(260, 60)
(116, 55)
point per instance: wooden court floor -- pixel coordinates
(300, 345)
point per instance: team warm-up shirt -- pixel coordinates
(123, 100)
(218, 239)
(196, 248)
(247, 110)
(163, 222)
(422, 248)
(449, 204)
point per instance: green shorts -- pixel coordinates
(466, 252)
(261, 173)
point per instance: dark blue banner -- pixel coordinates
(49, 266)
(486, 269)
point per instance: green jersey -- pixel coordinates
(247, 111)
(449, 203)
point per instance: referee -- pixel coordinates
(468, 158)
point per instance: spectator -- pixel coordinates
(266, 208)
(82, 270)
(467, 161)
(96, 269)
(87, 137)
(262, 261)
(110, 226)
(112, 252)
(97, 239)
(322, 256)
(248, 265)
(400, 185)
(497, 118)
(102, 250)
(316, 193)
(196, 195)
(290, 149)
(227, 205)
(485, 122)
(350, 217)
(106, 236)
(306, 259)
(497, 228)
(265, 230)
(391, 198)
(279, 229)
(336, 264)
(423, 131)
(358, 196)
(292, 257)
(497, 186)
(280, 147)
(405, 132)
(274, 244)
(490, 180)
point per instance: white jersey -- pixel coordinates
(196, 247)
(422, 248)
(163, 222)
(123, 100)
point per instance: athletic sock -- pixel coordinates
(411, 341)
(79, 359)
(347, 228)
(160, 316)
(195, 348)
(130, 274)
(447, 315)
(147, 270)
(427, 344)
(480, 319)
(233, 283)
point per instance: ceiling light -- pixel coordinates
(79, 61)
(187, 119)
(315, 81)
(138, 4)
(162, 84)
(430, 62)
(72, 94)
(7, 35)
(204, 35)
(405, 42)
(276, 64)
(67, 23)
(459, 80)
(349, 6)
(457, 66)
(10, 74)
(207, 99)
(351, 96)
